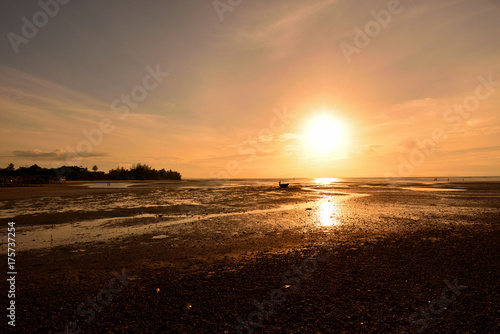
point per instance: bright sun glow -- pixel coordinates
(325, 135)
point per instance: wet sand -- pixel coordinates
(346, 259)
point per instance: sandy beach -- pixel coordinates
(247, 257)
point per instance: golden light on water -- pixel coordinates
(326, 180)
(328, 213)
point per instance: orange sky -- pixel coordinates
(172, 85)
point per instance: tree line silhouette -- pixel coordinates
(37, 174)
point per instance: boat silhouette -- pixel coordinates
(283, 185)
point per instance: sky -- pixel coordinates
(238, 89)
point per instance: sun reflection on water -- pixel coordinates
(326, 180)
(328, 213)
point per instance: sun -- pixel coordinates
(325, 134)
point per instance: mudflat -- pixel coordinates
(340, 258)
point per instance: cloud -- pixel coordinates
(476, 149)
(29, 90)
(413, 111)
(267, 139)
(371, 149)
(283, 33)
(58, 154)
(286, 137)
(408, 144)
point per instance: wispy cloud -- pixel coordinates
(371, 149)
(276, 137)
(58, 154)
(283, 32)
(475, 150)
